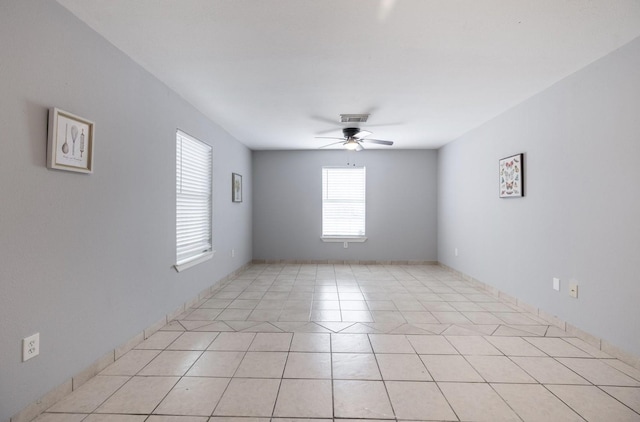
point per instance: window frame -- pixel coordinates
(207, 253)
(343, 238)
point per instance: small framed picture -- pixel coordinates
(236, 187)
(70, 142)
(511, 177)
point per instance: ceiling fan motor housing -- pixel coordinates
(350, 132)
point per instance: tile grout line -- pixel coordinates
(360, 285)
(599, 387)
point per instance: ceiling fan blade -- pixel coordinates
(378, 141)
(385, 124)
(334, 130)
(343, 125)
(334, 143)
(359, 147)
(329, 137)
(362, 134)
(326, 120)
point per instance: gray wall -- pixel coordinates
(401, 205)
(86, 260)
(579, 220)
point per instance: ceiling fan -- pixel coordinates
(353, 138)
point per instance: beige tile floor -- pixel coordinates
(285, 342)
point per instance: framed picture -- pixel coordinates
(70, 142)
(512, 177)
(236, 187)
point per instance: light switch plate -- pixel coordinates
(556, 284)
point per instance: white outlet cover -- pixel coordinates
(30, 347)
(556, 284)
(455, 251)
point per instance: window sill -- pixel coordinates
(194, 261)
(344, 239)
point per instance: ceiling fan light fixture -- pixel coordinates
(351, 144)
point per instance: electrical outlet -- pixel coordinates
(455, 251)
(556, 284)
(573, 290)
(233, 253)
(30, 347)
(346, 245)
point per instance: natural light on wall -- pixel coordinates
(194, 162)
(343, 203)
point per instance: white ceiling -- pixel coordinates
(277, 73)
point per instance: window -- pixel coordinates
(194, 166)
(343, 203)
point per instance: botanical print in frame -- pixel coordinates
(236, 187)
(70, 142)
(511, 177)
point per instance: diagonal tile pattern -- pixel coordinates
(329, 342)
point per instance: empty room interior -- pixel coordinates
(244, 210)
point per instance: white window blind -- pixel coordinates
(194, 167)
(343, 201)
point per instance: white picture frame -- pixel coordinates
(70, 142)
